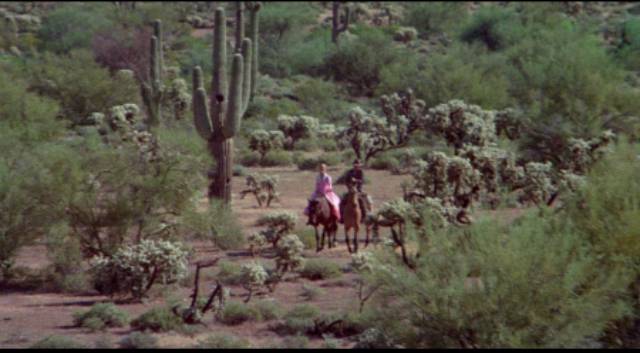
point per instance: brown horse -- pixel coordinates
(353, 216)
(320, 214)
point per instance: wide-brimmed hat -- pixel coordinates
(357, 162)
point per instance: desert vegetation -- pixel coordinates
(157, 158)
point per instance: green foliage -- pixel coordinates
(363, 72)
(298, 320)
(460, 72)
(384, 162)
(490, 26)
(159, 319)
(310, 292)
(57, 342)
(139, 340)
(71, 26)
(217, 224)
(230, 273)
(295, 128)
(80, 85)
(320, 269)
(134, 269)
(532, 284)
(104, 314)
(289, 254)
(627, 51)
(435, 17)
(263, 141)
(222, 341)
(329, 159)
(268, 309)
(235, 313)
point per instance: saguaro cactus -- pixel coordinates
(153, 91)
(338, 26)
(219, 124)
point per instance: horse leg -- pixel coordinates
(367, 230)
(346, 238)
(356, 230)
(318, 248)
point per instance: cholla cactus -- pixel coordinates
(362, 262)
(327, 131)
(263, 187)
(254, 276)
(256, 241)
(263, 141)
(462, 124)
(278, 224)
(136, 268)
(179, 98)
(405, 34)
(295, 128)
(289, 254)
(369, 135)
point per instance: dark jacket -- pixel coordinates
(358, 175)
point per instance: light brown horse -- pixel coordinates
(320, 214)
(353, 216)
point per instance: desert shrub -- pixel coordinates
(289, 254)
(71, 26)
(134, 269)
(318, 269)
(222, 341)
(310, 292)
(278, 224)
(80, 85)
(65, 253)
(105, 315)
(384, 162)
(268, 309)
(307, 56)
(282, 27)
(124, 49)
(159, 319)
(58, 342)
(277, 159)
(298, 320)
(363, 72)
(479, 269)
(295, 128)
(34, 168)
(627, 51)
(263, 141)
(139, 340)
(217, 224)
(316, 95)
(307, 237)
(461, 72)
(489, 26)
(434, 18)
(263, 187)
(230, 273)
(235, 313)
(312, 163)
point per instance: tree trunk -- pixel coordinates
(222, 150)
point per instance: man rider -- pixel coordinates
(354, 176)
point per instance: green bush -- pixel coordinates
(80, 85)
(315, 269)
(139, 340)
(58, 342)
(490, 25)
(310, 292)
(101, 316)
(277, 159)
(235, 313)
(217, 224)
(268, 309)
(159, 319)
(230, 273)
(71, 26)
(330, 159)
(384, 162)
(298, 320)
(535, 283)
(222, 341)
(435, 17)
(363, 72)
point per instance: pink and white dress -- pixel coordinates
(324, 188)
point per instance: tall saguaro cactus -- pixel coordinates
(219, 122)
(153, 91)
(338, 26)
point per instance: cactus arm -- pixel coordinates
(201, 116)
(219, 84)
(232, 123)
(253, 32)
(157, 32)
(246, 79)
(239, 26)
